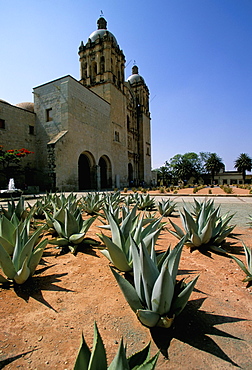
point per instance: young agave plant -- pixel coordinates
(118, 249)
(26, 256)
(87, 360)
(145, 202)
(208, 228)
(71, 229)
(166, 207)
(92, 203)
(248, 269)
(8, 231)
(156, 297)
(18, 209)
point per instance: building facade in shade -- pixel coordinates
(93, 133)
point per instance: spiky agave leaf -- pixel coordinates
(248, 269)
(116, 255)
(129, 292)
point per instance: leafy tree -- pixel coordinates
(164, 175)
(11, 157)
(243, 163)
(184, 166)
(214, 164)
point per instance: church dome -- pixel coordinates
(26, 105)
(101, 31)
(135, 77)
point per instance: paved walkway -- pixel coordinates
(241, 206)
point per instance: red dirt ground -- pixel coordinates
(42, 322)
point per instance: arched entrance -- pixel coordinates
(130, 174)
(105, 172)
(85, 171)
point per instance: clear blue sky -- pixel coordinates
(195, 56)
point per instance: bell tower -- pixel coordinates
(101, 60)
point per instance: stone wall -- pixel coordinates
(19, 131)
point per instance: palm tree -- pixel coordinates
(243, 163)
(213, 164)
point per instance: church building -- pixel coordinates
(88, 134)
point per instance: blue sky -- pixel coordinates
(195, 56)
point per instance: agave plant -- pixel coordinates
(208, 228)
(18, 209)
(71, 229)
(87, 360)
(8, 231)
(113, 199)
(144, 202)
(26, 256)
(166, 207)
(118, 248)
(92, 203)
(247, 269)
(156, 297)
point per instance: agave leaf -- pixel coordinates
(105, 252)
(163, 290)
(190, 223)
(181, 300)
(86, 224)
(148, 318)
(61, 242)
(36, 256)
(241, 265)
(117, 237)
(150, 364)
(28, 247)
(76, 238)
(126, 226)
(150, 239)
(6, 264)
(83, 357)
(179, 233)
(59, 228)
(129, 292)
(7, 228)
(216, 248)
(71, 225)
(174, 258)
(220, 239)
(248, 254)
(23, 273)
(195, 239)
(98, 356)
(120, 361)
(59, 215)
(140, 357)
(137, 271)
(3, 280)
(116, 255)
(206, 232)
(149, 273)
(9, 247)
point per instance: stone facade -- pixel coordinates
(93, 133)
(17, 130)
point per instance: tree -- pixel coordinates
(243, 163)
(10, 158)
(185, 166)
(213, 165)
